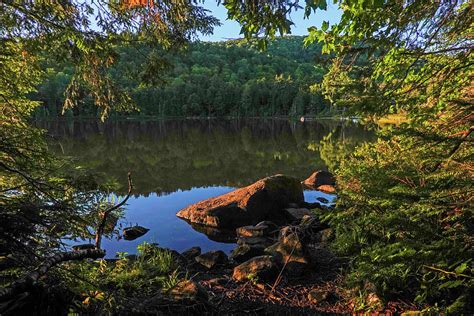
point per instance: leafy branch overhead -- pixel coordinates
(87, 35)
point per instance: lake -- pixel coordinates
(175, 163)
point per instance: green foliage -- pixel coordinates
(229, 78)
(85, 35)
(44, 200)
(253, 278)
(404, 212)
(115, 285)
(409, 227)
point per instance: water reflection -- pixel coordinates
(165, 156)
(175, 163)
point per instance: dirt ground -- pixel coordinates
(290, 296)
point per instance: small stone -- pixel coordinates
(297, 213)
(261, 286)
(260, 268)
(252, 231)
(317, 296)
(290, 250)
(271, 228)
(326, 188)
(190, 290)
(254, 241)
(319, 178)
(134, 232)
(212, 258)
(322, 200)
(191, 253)
(245, 252)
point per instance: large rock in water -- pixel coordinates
(265, 199)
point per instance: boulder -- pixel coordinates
(212, 259)
(296, 214)
(320, 177)
(261, 268)
(326, 188)
(189, 290)
(252, 231)
(245, 252)
(191, 253)
(290, 250)
(265, 199)
(134, 232)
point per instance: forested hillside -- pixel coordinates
(231, 78)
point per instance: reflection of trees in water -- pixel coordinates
(167, 155)
(340, 142)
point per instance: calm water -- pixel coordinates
(175, 163)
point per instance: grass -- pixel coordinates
(152, 271)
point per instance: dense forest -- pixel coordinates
(231, 78)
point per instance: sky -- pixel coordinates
(231, 29)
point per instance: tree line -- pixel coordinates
(231, 78)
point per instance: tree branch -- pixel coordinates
(24, 283)
(100, 228)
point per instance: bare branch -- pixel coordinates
(100, 228)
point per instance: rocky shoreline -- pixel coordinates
(282, 263)
(279, 238)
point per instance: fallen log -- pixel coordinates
(23, 284)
